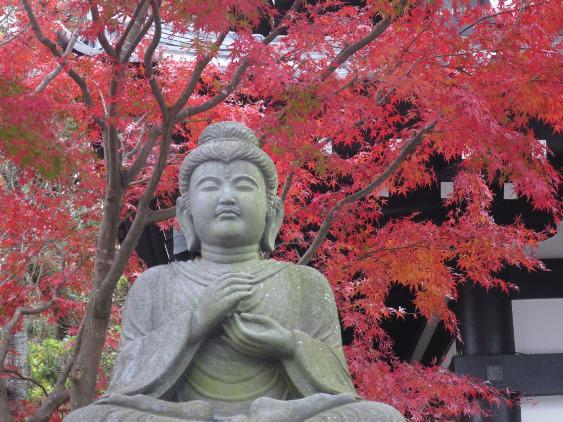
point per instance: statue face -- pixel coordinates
(228, 203)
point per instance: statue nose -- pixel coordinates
(227, 196)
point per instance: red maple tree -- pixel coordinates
(388, 85)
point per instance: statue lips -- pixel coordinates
(227, 212)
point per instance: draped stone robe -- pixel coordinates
(161, 375)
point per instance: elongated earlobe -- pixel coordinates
(273, 224)
(186, 222)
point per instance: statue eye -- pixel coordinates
(209, 188)
(245, 187)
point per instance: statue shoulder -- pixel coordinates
(152, 275)
(160, 277)
(308, 277)
(315, 300)
(158, 291)
(310, 273)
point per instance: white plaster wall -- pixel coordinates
(538, 326)
(542, 409)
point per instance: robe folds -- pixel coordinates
(162, 374)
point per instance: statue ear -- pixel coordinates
(273, 225)
(187, 225)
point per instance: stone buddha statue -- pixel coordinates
(231, 336)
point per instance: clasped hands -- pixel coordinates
(251, 334)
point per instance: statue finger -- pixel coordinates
(256, 336)
(234, 282)
(258, 319)
(266, 323)
(227, 291)
(226, 276)
(233, 298)
(235, 336)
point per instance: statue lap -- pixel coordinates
(262, 410)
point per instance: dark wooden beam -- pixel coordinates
(530, 375)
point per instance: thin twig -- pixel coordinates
(15, 35)
(60, 394)
(503, 12)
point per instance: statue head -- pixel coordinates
(228, 189)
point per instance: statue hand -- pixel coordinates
(218, 300)
(260, 336)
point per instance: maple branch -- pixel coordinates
(286, 186)
(134, 22)
(107, 285)
(101, 35)
(405, 153)
(237, 77)
(523, 7)
(6, 333)
(81, 82)
(135, 42)
(55, 72)
(219, 98)
(281, 26)
(382, 95)
(18, 375)
(160, 215)
(48, 406)
(350, 49)
(37, 30)
(408, 47)
(137, 146)
(156, 91)
(141, 159)
(342, 56)
(112, 148)
(196, 74)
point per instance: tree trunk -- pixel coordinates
(18, 358)
(98, 311)
(5, 412)
(85, 371)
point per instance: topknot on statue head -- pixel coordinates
(228, 131)
(226, 142)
